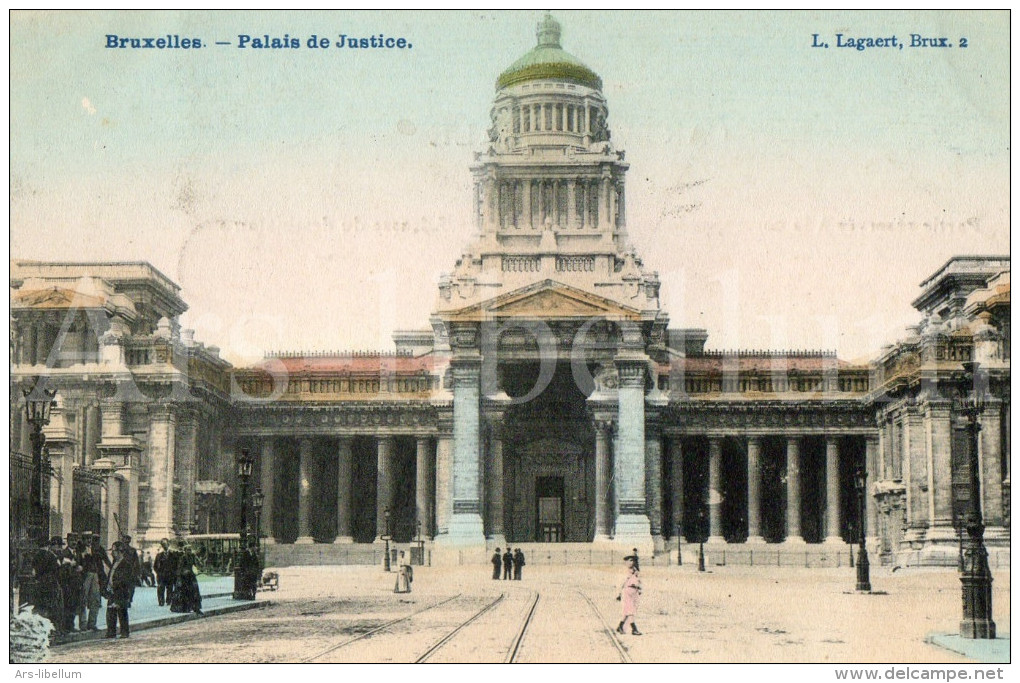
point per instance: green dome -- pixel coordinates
(549, 60)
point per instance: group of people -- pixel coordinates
(72, 578)
(176, 580)
(512, 563)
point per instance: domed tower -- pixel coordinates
(549, 190)
(549, 324)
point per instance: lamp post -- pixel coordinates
(257, 500)
(244, 467)
(976, 578)
(386, 538)
(679, 546)
(38, 403)
(421, 546)
(863, 566)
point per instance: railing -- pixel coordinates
(522, 264)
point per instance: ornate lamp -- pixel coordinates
(976, 577)
(863, 566)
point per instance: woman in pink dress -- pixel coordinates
(630, 590)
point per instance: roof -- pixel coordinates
(761, 362)
(350, 363)
(549, 60)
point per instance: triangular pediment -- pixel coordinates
(55, 297)
(546, 300)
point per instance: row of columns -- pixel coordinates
(425, 487)
(754, 487)
(553, 117)
(577, 203)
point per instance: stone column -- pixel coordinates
(267, 472)
(715, 490)
(494, 482)
(466, 526)
(603, 473)
(305, 491)
(754, 490)
(832, 520)
(383, 486)
(161, 447)
(92, 435)
(444, 483)
(528, 218)
(571, 220)
(916, 454)
(41, 334)
(653, 479)
(793, 490)
(940, 484)
(871, 457)
(185, 460)
(423, 489)
(677, 485)
(990, 452)
(344, 491)
(632, 524)
(28, 344)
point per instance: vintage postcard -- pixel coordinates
(510, 336)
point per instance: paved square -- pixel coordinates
(566, 614)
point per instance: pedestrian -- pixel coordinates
(637, 560)
(497, 561)
(630, 591)
(508, 565)
(131, 555)
(147, 577)
(119, 590)
(518, 564)
(49, 601)
(94, 579)
(404, 579)
(72, 581)
(187, 596)
(165, 573)
(251, 569)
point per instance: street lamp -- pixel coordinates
(976, 578)
(863, 567)
(257, 500)
(38, 403)
(244, 467)
(386, 537)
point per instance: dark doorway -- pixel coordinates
(549, 508)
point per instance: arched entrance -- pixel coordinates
(549, 459)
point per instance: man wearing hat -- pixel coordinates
(95, 576)
(119, 588)
(49, 601)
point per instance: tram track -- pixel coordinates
(452, 634)
(515, 648)
(609, 631)
(378, 629)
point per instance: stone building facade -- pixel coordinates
(548, 401)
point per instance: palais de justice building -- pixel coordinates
(549, 400)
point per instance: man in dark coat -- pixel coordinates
(508, 565)
(119, 589)
(518, 564)
(49, 601)
(165, 573)
(497, 560)
(94, 572)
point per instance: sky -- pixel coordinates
(789, 196)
